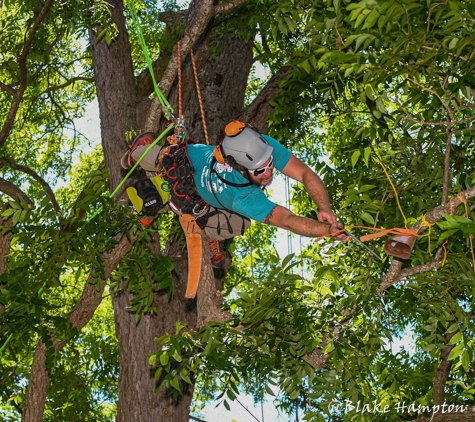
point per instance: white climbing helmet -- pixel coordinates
(245, 146)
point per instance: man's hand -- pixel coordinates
(337, 227)
(327, 216)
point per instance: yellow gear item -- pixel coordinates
(148, 195)
(162, 187)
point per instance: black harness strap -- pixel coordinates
(236, 185)
(177, 170)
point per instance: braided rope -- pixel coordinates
(205, 130)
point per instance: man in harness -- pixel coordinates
(224, 184)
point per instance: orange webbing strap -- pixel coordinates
(195, 252)
(383, 232)
(198, 92)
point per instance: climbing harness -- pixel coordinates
(174, 166)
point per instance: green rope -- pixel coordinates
(135, 165)
(138, 29)
(5, 344)
(140, 159)
(163, 102)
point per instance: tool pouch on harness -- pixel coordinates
(148, 195)
(175, 167)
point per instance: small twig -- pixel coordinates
(196, 419)
(247, 410)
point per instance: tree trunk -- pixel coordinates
(138, 401)
(223, 83)
(116, 91)
(5, 240)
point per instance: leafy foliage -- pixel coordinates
(378, 100)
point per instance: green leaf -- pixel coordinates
(429, 348)
(447, 234)
(371, 19)
(454, 327)
(269, 390)
(367, 153)
(456, 338)
(465, 360)
(164, 358)
(367, 217)
(354, 158)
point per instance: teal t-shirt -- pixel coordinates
(249, 201)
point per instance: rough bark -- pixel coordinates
(223, 82)
(117, 95)
(449, 414)
(138, 400)
(38, 386)
(81, 314)
(258, 111)
(443, 370)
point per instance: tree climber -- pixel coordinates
(228, 181)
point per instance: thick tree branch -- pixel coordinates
(222, 8)
(260, 109)
(443, 370)
(200, 13)
(15, 166)
(5, 240)
(394, 273)
(14, 192)
(460, 413)
(80, 315)
(18, 95)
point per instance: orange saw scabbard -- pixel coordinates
(195, 252)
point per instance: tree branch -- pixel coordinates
(394, 273)
(80, 315)
(13, 191)
(260, 109)
(424, 267)
(15, 166)
(222, 8)
(18, 94)
(69, 82)
(443, 370)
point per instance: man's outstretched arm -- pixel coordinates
(299, 171)
(287, 220)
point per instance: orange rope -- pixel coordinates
(199, 96)
(180, 112)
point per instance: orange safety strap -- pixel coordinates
(380, 232)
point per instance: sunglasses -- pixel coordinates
(262, 170)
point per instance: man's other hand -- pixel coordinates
(338, 227)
